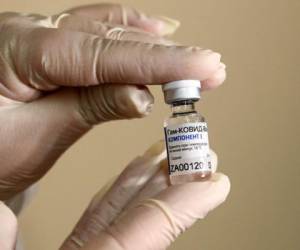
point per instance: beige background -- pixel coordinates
(253, 119)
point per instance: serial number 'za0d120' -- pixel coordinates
(190, 167)
(188, 148)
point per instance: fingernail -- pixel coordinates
(215, 177)
(222, 65)
(149, 108)
(145, 100)
(156, 149)
(206, 51)
(218, 54)
(168, 25)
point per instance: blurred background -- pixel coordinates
(253, 118)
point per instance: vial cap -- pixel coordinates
(181, 90)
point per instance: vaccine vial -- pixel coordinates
(186, 134)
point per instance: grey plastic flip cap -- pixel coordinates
(181, 90)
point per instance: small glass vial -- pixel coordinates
(186, 134)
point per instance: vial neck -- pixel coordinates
(183, 107)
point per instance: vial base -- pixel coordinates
(181, 179)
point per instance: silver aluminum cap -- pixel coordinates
(181, 90)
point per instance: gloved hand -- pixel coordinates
(139, 211)
(62, 74)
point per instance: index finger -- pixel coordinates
(65, 58)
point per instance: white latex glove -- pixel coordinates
(141, 211)
(43, 59)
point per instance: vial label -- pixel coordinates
(188, 148)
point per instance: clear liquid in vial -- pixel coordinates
(184, 113)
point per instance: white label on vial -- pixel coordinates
(188, 148)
